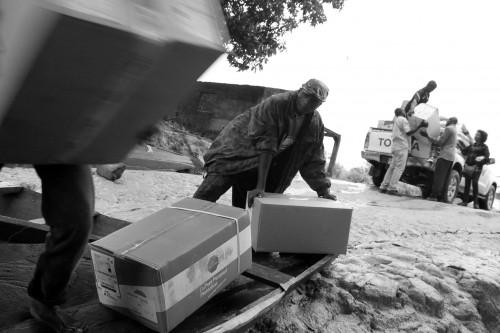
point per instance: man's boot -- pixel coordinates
(476, 204)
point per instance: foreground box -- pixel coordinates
(293, 224)
(161, 269)
(81, 81)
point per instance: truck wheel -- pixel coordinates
(378, 173)
(487, 203)
(451, 188)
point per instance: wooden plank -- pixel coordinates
(264, 304)
(327, 259)
(249, 313)
(15, 230)
(104, 225)
(24, 204)
(268, 275)
(10, 189)
(18, 207)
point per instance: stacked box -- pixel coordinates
(385, 124)
(161, 269)
(82, 81)
(295, 224)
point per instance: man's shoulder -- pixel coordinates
(281, 97)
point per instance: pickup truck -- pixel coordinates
(420, 164)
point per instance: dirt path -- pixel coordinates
(412, 266)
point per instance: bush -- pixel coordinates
(355, 175)
(339, 172)
(358, 175)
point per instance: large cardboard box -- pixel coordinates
(161, 269)
(431, 115)
(80, 81)
(295, 224)
(421, 147)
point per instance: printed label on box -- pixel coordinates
(141, 301)
(104, 267)
(207, 274)
(209, 288)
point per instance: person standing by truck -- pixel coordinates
(401, 133)
(421, 96)
(476, 155)
(447, 143)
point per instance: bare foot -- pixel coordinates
(56, 320)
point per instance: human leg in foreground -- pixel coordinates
(67, 206)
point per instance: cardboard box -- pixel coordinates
(385, 124)
(294, 224)
(80, 81)
(431, 115)
(161, 269)
(421, 147)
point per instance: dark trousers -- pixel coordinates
(67, 206)
(474, 179)
(214, 186)
(441, 174)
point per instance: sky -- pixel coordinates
(375, 54)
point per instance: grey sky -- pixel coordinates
(375, 54)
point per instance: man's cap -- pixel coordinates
(316, 88)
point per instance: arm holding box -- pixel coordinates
(313, 171)
(262, 129)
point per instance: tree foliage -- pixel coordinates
(257, 27)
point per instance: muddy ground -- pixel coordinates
(412, 265)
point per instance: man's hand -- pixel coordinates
(254, 193)
(465, 130)
(327, 195)
(424, 123)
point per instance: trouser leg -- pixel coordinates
(475, 187)
(388, 175)
(244, 182)
(467, 188)
(213, 187)
(441, 173)
(67, 206)
(399, 158)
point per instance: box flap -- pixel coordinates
(223, 210)
(303, 201)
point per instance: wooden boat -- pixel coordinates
(233, 309)
(152, 158)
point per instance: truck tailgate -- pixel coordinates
(379, 140)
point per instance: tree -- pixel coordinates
(257, 27)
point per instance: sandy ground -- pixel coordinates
(412, 265)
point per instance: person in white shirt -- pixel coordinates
(401, 133)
